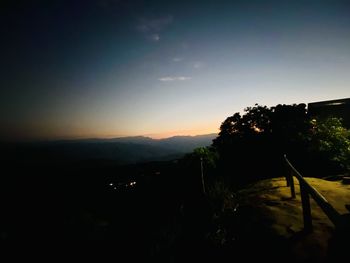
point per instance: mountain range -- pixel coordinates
(124, 150)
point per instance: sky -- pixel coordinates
(112, 68)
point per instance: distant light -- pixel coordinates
(335, 103)
(111, 184)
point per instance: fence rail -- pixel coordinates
(306, 190)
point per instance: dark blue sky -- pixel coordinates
(105, 68)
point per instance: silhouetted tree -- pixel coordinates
(253, 144)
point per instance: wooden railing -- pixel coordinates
(306, 190)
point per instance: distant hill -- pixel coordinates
(124, 150)
(187, 143)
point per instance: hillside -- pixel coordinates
(124, 150)
(272, 211)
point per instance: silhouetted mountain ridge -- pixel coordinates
(124, 150)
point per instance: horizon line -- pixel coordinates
(72, 138)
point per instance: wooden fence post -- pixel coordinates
(306, 190)
(291, 179)
(305, 200)
(286, 170)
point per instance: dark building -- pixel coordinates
(331, 108)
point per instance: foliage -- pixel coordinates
(331, 140)
(221, 196)
(223, 203)
(208, 155)
(284, 123)
(255, 120)
(251, 145)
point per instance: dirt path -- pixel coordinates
(276, 211)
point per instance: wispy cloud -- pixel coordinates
(177, 59)
(152, 28)
(180, 78)
(198, 65)
(183, 78)
(154, 37)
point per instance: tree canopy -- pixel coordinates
(330, 140)
(254, 143)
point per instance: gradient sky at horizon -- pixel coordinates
(110, 68)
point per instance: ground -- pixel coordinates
(271, 207)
